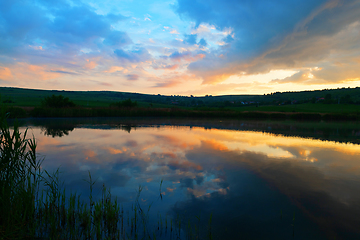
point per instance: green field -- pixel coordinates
(98, 103)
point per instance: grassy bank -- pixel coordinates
(33, 204)
(43, 112)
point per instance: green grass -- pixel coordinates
(306, 108)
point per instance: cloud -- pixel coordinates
(172, 30)
(90, 64)
(114, 69)
(117, 38)
(272, 35)
(137, 55)
(5, 73)
(186, 55)
(101, 83)
(178, 56)
(166, 84)
(171, 79)
(34, 73)
(166, 67)
(59, 28)
(132, 77)
(184, 166)
(63, 72)
(225, 88)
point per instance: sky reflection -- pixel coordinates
(244, 178)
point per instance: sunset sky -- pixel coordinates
(180, 47)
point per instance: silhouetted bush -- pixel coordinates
(15, 112)
(278, 116)
(57, 102)
(306, 116)
(341, 117)
(126, 103)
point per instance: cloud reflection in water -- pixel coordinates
(244, 178)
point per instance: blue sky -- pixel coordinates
(181, 47)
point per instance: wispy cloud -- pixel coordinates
(132, 77)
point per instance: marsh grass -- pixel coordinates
(35, 205)
(19, 178)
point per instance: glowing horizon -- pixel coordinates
(180, 47)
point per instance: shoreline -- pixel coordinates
(45, 112)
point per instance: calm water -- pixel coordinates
(258, 180)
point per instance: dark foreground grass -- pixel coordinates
(33, 204)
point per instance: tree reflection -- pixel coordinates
(128, 128)
(58, 130)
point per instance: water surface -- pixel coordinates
(258, 180)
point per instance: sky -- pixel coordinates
(180, 47)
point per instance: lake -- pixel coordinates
(237, 179)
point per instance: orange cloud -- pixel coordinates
(197, 192)
(170, 189)
(215, 145)
(24, 71)
(89, 154)
(36, 47)
(113, 150)
(46, 143)
(90, 64)
(184, 165)
(168, 67)
(217, 78)
(114, 69)
(5, 73)
(169, 154)
(187, 56)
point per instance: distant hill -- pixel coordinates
(32, 97)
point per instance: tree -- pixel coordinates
(126, 103)
(57, 102)
(328, 99)
(346, 100)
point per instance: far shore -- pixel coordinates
(209, 113)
